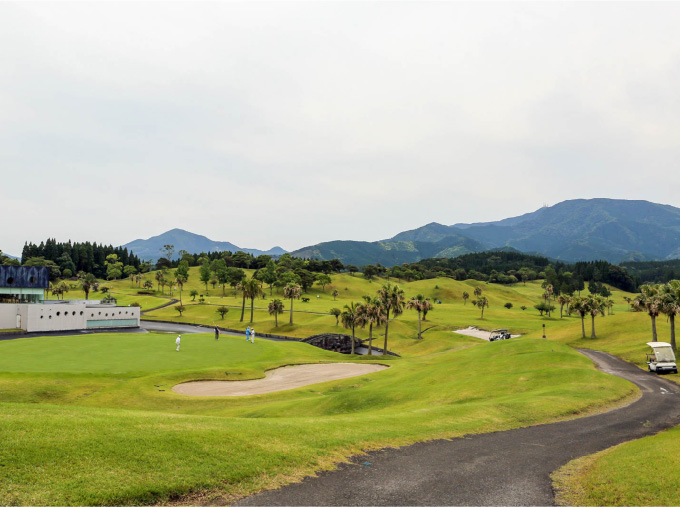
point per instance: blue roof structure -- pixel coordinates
(24, 277)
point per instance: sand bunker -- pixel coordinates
(280, 379)
(479, 333)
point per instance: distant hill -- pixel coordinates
(389, 252)
(150, 249)
(615, 230)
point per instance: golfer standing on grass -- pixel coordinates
(217, 333)
(252, 335)
(178, 340)
(248, 334)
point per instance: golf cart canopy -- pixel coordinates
(663, 351)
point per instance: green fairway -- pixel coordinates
(92, 419)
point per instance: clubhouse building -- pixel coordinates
(23, 306)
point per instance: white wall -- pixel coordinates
(8, 316)
(55, 317)
(67, 316)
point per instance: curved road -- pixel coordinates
(504, 468)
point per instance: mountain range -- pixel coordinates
(581, 229)
(150, 249)
(615, 230)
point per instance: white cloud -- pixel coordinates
(291, 123)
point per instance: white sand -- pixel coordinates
(279, 379)
(479, 333)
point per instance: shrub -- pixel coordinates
(508, 305)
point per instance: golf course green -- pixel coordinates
(92, 419)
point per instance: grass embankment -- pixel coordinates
(641, 472)
(92, 420)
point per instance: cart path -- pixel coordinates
(504, 468)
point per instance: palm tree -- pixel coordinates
(416, 303)
(159, 278)
(350, 318)
(482, 302)
(466, 296)
(547, 295)
(670, 304)
(181, 280)
(335, 293)
(87, 281)
(595, 305)
(275, 308)
(579, 306)
(392, 300)
(649, 300)
(371, 312)
(292, 291)
(427, 306)
(251, 289)
(478, 292)
(335, 312)
(242, 288)
(563, 300)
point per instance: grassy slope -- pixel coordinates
(84, 423)
(641, 472)
(354, 414)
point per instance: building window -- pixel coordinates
(10, 281)
(58, 313)
(32, 279)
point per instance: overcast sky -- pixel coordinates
(294, 123)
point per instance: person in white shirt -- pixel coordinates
(252, 335)
(177, 341)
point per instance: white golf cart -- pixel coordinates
(661, 359)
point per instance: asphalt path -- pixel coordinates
(503, 468)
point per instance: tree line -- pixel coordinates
(512, 267)
(65, 260)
